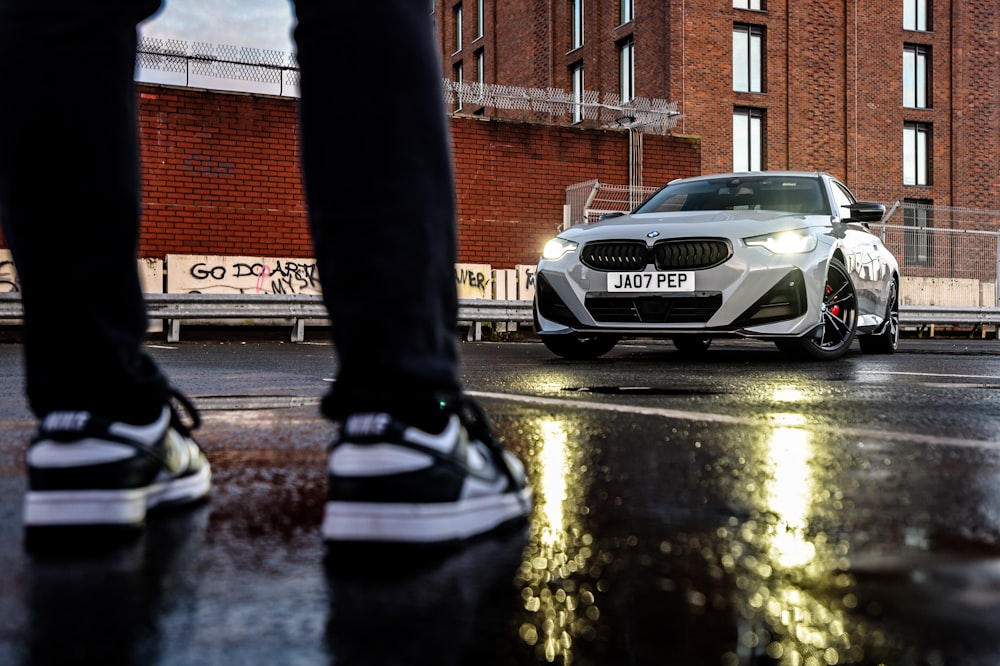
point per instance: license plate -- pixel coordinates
(659, 281)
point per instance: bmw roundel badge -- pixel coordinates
(652, 234)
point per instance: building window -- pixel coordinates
(626, 70)
(576, 23)
(918, 241)
(577, 86)
(626, 11)
(916, 76)
(916, 15)
(748, 139)
(748, 58)
(916, 154)
(480, 18)
(480, 67)
(456, 14)
(458, 76)
(749, 4)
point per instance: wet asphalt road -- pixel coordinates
(734, 509)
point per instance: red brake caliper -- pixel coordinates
(833, 309)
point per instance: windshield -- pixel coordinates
(789, 194)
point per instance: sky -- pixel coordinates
(264, 24)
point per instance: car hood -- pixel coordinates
(716, 223)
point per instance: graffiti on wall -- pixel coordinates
(473, 280)
(194, 274)
(150, 274)
(526, 281)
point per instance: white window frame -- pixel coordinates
(916, 224)
(626, 70)
(748, 139)
(748, 58)
(916, 14)
(456, 13)
(916, 79)
(480, 18)
(577, 88)
(576, 23)
(626, 11)
(458, 74)
(916, 154)
(756, 5)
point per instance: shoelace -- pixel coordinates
(478, 426)
(189, 420)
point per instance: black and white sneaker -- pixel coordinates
(87, 471)
(391, 482)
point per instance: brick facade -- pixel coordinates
(832, 97)
(220, 175)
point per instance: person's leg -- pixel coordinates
(380, 193)
(414, 461)
(109, 443)
(69, 202)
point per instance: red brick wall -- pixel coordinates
(221, 176)
(511, 180)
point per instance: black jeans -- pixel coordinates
(379, 187)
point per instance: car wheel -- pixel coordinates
(840, 319)
(886, 342)
(692, 344)
(580, 346)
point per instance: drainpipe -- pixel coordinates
(634, 166)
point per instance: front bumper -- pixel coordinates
(760, 295)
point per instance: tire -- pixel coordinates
(886, 342)
(692, 344)
(840, 319)
(580, 347)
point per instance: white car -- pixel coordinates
(781, 256)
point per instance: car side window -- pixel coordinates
(842, 199)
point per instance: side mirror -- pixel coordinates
(865, 211)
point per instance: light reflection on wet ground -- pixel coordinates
(768, 538)
(727, 546)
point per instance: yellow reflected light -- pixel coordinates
(554, 466)
(788, 394)
(560, 608)
(789, 495)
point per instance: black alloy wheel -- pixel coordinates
(840, 319)
(886, 342)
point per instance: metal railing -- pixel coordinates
(294, 309)
(216, 66)
(299, 308)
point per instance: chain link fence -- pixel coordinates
(948, 256)
(651, 115)
(217, 67)
(587, 201)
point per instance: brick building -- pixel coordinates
(900, 98)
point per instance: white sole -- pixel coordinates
(421, 523)
(110, 507)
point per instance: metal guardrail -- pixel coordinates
(299, 308)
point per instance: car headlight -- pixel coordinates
(796, 241)
(558, 248)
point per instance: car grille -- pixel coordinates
(615, 256)
(691, 254)
(654, 309)
(682, 254)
